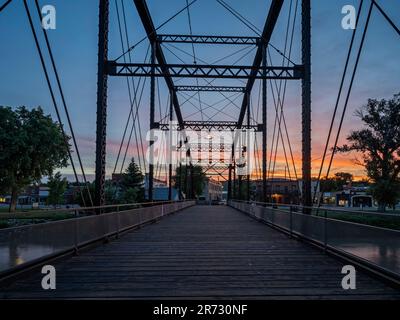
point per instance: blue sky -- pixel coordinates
(75, 48)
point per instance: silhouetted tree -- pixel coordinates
(132, 184)
(182, 179)
(379, 144)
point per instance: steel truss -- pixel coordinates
(203, 71)
(208, 125)
(209, 147)
(210, 88)
(204, 39)
(159, 68)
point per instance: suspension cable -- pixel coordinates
(386, 17)
(135, 100)
(128, 85)
(194, 56)
(52, 96)
(5, 5)
(160, 26)
(50, 51)
(348, 93)
(338, 100)
(251, 26)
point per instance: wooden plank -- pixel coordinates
(202, 252)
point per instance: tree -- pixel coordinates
(328, 185)
(57, 186)
(379, 144)
(342, 179)
(132, 184)
(182, 179)
(31, 146)
(337, 182)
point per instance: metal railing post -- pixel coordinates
(118, 222)
(291, 222)
(76, 235)
(325, 230)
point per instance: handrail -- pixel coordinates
(150, 203)
(68, 236)
(319, 208)
(342, 238)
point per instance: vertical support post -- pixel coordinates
(240, 187)
(325, 230)
(248, 149)
(101, 123)
(291, 222)
(306, 103)
(264, 124)
(234, 194)
(186, 175)
(170, 149)
(152, 115)
(180, 170)
(230, 182)
(191, 182)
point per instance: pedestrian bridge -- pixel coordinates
(199, 252)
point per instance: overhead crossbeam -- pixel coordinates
(208, 125)
(273, 14)
(170, 71)
(208, 147)
(210, 88)
(204, 39)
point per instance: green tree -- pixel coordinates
(379, 144)
(182, 178)
(57, 187)
(31, 146)
(132, 184)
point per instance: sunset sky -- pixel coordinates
(75, 48)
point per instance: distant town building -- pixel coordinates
(212, 190)
(160, 190)
(279, 190)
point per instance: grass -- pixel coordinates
(367, 218)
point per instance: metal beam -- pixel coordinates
(207, 147)
(269, 27)
(210, 88)
(169, 71)
(145, 16)
(205, 39)
(264, 129)
(306, 103)
(207, 125)
(101, 103)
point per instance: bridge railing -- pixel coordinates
(374, 247)
(28, 245)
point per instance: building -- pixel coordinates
(279, 190)
(354, 197)
(35, 194)
(212, 190)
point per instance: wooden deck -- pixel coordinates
(202, 252)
